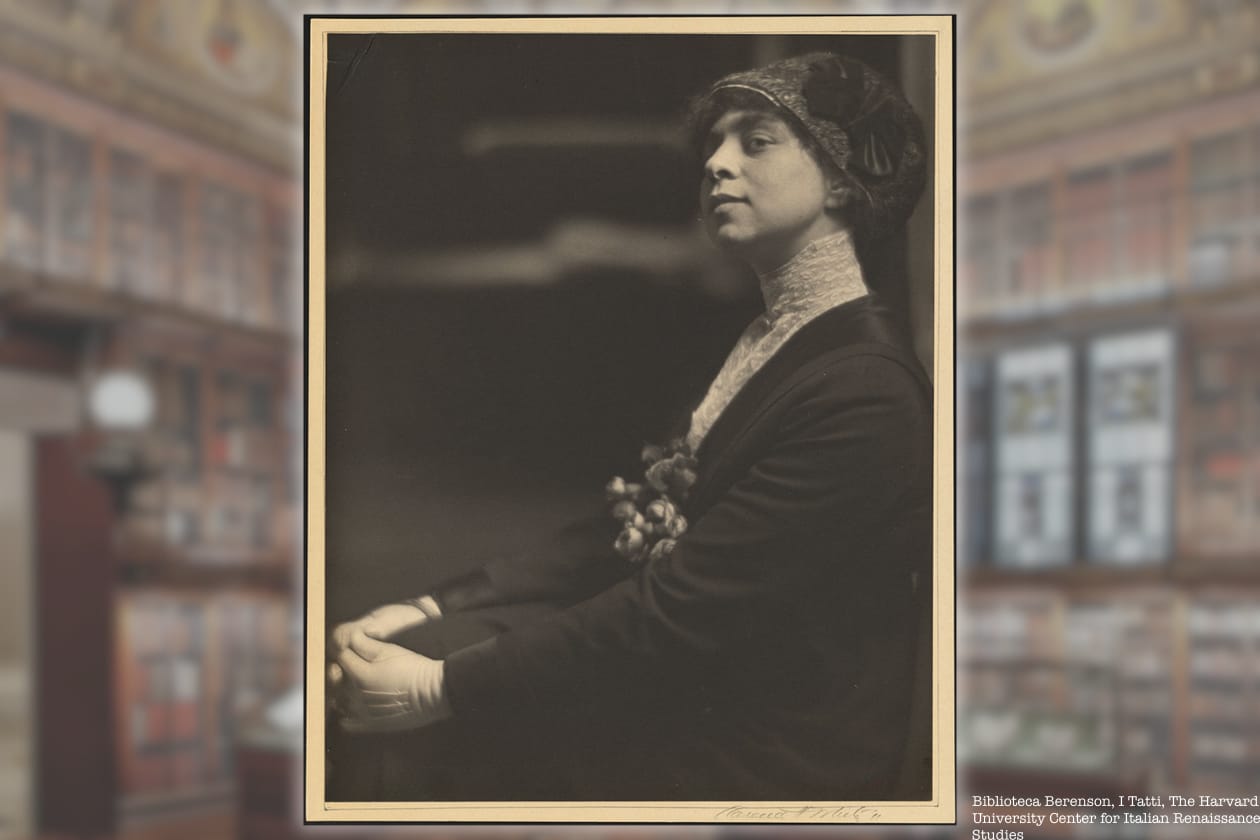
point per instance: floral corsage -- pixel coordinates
(651, 521)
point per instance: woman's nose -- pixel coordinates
(721, 163)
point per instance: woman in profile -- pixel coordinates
(740, 624)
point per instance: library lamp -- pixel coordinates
(121, 400)
(121, 405)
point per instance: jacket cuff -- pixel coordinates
(464, 592)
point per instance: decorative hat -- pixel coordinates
(859, 118)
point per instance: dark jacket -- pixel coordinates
(771, 655)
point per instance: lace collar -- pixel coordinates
(822, 275)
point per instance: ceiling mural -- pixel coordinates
(1022, 42)
(239, 46)
(246, 49)
(1036, 70)
(226, 72)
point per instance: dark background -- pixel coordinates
(518, 401)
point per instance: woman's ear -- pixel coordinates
(840, 192)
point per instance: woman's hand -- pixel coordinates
(381, 623)
(388, 688)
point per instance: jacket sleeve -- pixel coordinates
(846, 450)
(573, 564)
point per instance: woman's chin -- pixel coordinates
(759, 253)
(730, 238)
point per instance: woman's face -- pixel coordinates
(763, 196)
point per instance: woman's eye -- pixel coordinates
(758, 142)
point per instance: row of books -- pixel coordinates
(221, 518)
(1122, 231)
(1097, 677)
(220, 466)
(193, 668)
(141, 230)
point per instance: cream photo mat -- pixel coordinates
(940, 808)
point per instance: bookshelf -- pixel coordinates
(187, 232)
(1111, 463)
(192, 666)
(1223, 694)
(174, 261)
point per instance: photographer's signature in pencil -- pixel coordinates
(801, 813)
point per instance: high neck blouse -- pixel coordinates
(821, 276)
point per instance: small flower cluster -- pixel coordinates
(651, 522)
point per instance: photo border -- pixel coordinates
(940, 808)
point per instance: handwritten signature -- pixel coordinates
(803, 813)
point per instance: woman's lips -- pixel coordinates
(718, 201)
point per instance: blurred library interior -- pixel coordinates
(151, 386)
(150, 402)
(1109, 259)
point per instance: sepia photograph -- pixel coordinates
(630, 420)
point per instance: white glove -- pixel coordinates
(388, 688)
(381, 623)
